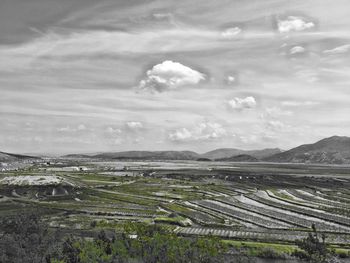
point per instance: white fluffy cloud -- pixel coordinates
(293, 23)
(203, 131)
(231, 32)
(169, 75)
(296, 50)
(182, 134)
(134, 125)
(230, 80)
(338, 50)
(242, 103)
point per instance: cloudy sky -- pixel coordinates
(112, 75)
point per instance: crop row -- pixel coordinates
(284, 217)
(239, 214)
(195, 215)
(304, 211)
(338, 197)
(281, 235)
(316, 199)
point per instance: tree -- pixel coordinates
(26, 238)
(314, 248)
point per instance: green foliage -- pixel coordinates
(26, 238)
(270, 253)
(142, 243)
(314, 249)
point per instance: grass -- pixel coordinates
(281, 195)
(178, 220)
(255, 248)
(177, 208)
(280, 248)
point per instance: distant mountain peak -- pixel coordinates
(331, 150)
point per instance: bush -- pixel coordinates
(270, 253)
(142, 243)
(26, 238)
(314, 248)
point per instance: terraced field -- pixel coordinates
(266, 203)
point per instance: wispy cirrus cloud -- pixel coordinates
(338, 50)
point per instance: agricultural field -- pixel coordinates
(251, 204)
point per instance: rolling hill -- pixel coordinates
(332, 150)
(231, 152)
(150, 155)
(239, 158)
(219, 154)
(10, 157)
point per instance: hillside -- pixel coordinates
(10, 157)
(332, 150)
(178, 155)
(239, 158)
(150, 155)
(230, 152)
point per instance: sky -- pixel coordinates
(84, 76)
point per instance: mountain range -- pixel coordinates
(332, 150)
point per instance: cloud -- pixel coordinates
(231, 32)
(112, 130)
(274, 112)
(248, 138)
(37, 139)
(81, 127)
(293, 23)
(64, 129)
(296, 50)
(242, 103)
(299, 103)
(134, 125)
(275, 125)
(338, 50)
(180, 135)
(117, 141)
(203, 131)
(169, 75)
(230, 80)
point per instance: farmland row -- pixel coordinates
(302, 210)
(241, 214)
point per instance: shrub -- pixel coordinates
(270, 253)
(314, 248)
(26, 238)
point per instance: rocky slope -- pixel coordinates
(332, 150)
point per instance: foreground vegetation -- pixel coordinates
(139, 212)
(27, 238)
